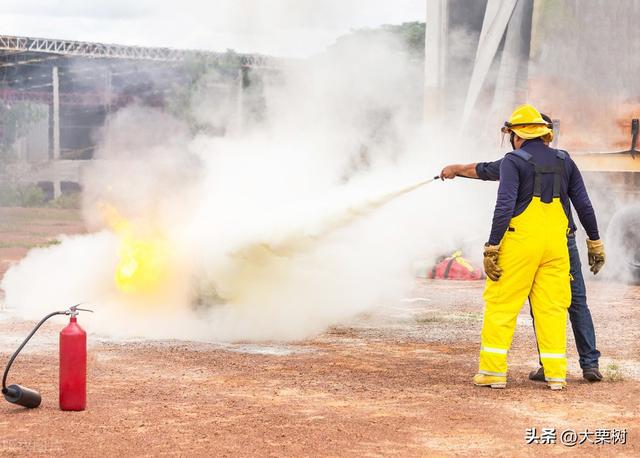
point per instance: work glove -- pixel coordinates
(595, 249)
(491, 262)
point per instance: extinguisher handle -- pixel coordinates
(74, 309)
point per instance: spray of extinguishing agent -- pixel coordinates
(73, 367)
(73, 339)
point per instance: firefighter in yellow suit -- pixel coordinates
(527, 255)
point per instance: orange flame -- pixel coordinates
(144, 260)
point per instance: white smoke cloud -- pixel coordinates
(245, 217)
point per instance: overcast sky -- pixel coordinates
(277, 27)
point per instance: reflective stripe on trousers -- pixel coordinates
(535, 263)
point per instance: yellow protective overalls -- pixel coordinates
(535, 261)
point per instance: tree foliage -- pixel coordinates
(201, 72)
(15, 122)
(410, 33)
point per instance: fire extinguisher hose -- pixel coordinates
(24, 342)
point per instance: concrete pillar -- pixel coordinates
(497, 16)
(108, 100)
(239, 121)
(55, 83)
(511, 83)
(108, 89)
(435, 58)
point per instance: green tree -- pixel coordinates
(201, 71)
(410, 33)
(16, 119)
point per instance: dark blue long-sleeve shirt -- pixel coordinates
(516, 189)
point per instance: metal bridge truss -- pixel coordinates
(113, 51)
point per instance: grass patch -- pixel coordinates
(21, 195)
(68, 200)
(466, 316)
(48, 243)
(29, 245)
(40, 216)
(429, 319)
(612, 373)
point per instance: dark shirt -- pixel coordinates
(516, 189)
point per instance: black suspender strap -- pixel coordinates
(557, 170)
(557, 178)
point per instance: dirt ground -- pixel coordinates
(393, 383)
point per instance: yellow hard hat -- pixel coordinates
(527, 122)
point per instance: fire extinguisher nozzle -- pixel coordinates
(25, 397)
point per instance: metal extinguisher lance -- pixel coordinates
(73, 363)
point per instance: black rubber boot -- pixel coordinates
(537, 376)
(592, 374)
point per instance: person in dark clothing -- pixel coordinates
(579, 314)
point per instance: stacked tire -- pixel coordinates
(623, 244)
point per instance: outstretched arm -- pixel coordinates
(487, 171)
(459, 170)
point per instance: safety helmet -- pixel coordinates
(527, 122)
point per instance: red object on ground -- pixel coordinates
(73, 367)
(455, 267)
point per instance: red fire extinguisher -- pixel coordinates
(73, 367)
